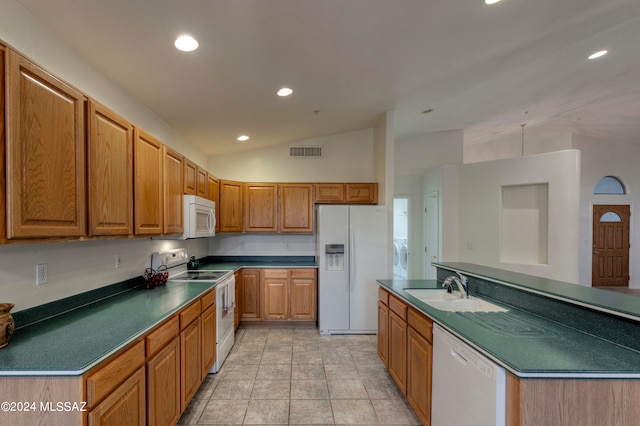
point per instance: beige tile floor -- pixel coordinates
(296, 376)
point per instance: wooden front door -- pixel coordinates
(610, 259)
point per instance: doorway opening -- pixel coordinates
(610, 254)
(401, 238)
(431, 233)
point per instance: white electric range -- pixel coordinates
(176, 262)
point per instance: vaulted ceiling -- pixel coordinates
(484, 69)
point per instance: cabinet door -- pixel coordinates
(419, 357)
(276, 294)
(173, 187)
(147, 175)
(329, 193)
(362, 193)
(163, 386)
(230, 206)
(126, 405)
(202, 189)
(249, 294)
(303, 294)
(236, 312)
(213, 193)
(398, 350)
(3, 228)
(208, 339)
(296, 208)
(109, 172)
(383, 333)
(190, 177)
(190, 363)
(261, 201)
(45, 149)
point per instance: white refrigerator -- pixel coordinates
(353, 252)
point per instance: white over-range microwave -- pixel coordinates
(199, 217)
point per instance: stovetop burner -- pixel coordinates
(200, 275)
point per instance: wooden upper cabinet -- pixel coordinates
(329, 193)
(296, 207)
(190, 177)
(45, 149)
(230, 206)
(202, 188)
(147, 171)
(109, 172)
(261, 207)
(213, 193)
(361, 193)
(173, 187)
(346, 193)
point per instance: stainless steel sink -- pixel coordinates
(452, 302)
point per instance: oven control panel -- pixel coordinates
(169, 258)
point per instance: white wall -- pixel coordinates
(606, 158)
(79, 266)
(480, 211)
(509, 146)
(346, 157)
(415, 156)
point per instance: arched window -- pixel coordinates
(609, 185)
(610, 217)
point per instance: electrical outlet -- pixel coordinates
(42, 273)
(117, 260)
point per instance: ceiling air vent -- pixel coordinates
(305, 151)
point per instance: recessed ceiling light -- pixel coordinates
(285, 91)
(491, 1)
(598, 54)
(243, 138)
(186, 43)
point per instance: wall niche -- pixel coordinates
(524, 224)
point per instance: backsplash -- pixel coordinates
(77, 266)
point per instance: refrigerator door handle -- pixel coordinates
(352, 257)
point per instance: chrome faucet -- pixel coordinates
(460, 282)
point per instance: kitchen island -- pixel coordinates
(570, 351)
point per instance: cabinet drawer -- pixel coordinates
(303, 273)
(420, 323)
(208, 300)
(162, 335)
(398, 306)
(383, 296)
(189, 313)
(275, 273)
(115, 372)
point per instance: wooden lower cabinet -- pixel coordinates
(249, 302)
(398, 350)
(208, 340)
(419, 364)
(303, 286)
(190, 367)
(383, 333)
(163, 386)
(125, 406)
(275, 288)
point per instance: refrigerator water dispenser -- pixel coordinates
(334, 257)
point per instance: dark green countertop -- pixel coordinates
(529, 345)
(72, 343)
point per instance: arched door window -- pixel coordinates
(609, 185)
(610, 217)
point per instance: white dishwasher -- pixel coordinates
(468, 388)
